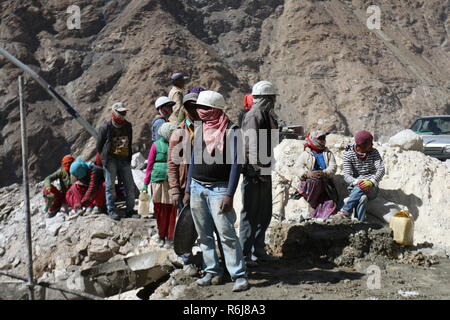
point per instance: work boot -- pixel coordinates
(265, 257)
(209, 279)
(113, 215)
(250, 263)
(132, 214)
(241, 284)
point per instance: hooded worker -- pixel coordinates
(54, 197)
(257, 184)
(88, 191)
(164, 106)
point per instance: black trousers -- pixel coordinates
(255, 215)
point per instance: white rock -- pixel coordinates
(407, 140)
(138, 161)
(54, 224)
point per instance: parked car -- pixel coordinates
(435, 131)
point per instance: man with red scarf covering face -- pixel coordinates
(363, 171)
(210, 188)
(114, 145)
(54, 197)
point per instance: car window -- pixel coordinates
(432, 126)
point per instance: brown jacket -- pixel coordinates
(178, 170)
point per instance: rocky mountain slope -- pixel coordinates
(330, 69)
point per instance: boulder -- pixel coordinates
(407, 140)
(54, 224)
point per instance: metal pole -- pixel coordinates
(23, 131)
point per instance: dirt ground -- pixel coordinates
(330, 261)
(282, 280)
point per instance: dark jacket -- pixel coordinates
(105, 136)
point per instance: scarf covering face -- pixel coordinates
(360, 155)
(117, 119)
(248, 101)
(215, 124)
(66, 162)
(313, 142)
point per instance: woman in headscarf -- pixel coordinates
(317, 166)
(54, 197)
(156, 174)
(88, 191)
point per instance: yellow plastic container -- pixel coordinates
(403, 226)
(144, 205)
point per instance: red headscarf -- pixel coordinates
(248, 101)
(67, 161)
(313, 142)
(215, 124)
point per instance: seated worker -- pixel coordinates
(88, 191)
(363, 171)
(317, 166)
(54, 197)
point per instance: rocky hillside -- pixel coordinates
(330, 69)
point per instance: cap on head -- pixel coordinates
(162, 101)
(363, 138)
(263, 88)
(118, 107)
(190, 97)
(211, 99)
(178, 76)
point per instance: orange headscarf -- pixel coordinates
(67, 161)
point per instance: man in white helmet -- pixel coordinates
(257, 184)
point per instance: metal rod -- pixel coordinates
(52, 286)
(26, 187)
(62, 103)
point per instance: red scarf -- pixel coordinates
(119, 120)
(313, 143)
(215, 124)
(66, 162)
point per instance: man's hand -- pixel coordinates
(186, 198)
(227, 204)
(176, 199)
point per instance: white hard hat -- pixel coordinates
(263, 88)
(211, 99)
(161, 101)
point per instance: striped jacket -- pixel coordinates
(372, 168)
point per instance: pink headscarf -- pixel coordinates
(215, 124)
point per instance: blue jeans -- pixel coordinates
(122, 167)
(205, 208)
(358, 200)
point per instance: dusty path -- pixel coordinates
(294, 280)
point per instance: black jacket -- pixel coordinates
(105, 139)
